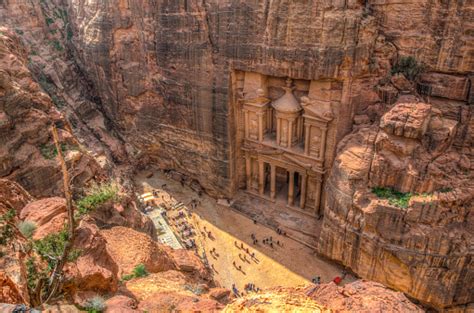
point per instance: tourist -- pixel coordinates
(344, 273)
(241, 245)
(247, 250)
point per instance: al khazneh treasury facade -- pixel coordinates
(284, 127)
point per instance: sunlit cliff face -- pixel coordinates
(167, 84)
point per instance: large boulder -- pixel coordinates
(129, 248)
(49, 215)
(95, 269)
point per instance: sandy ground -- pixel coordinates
(290, 264)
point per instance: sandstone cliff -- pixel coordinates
(26, 115)
(418, 240)
(154, 82)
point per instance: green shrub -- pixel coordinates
(27, 228)
(140, 271)
(396, 198)
(6, 230)
(49, 152)
(49, 21)
(95, 305)
(96, 196)
(33, 274)
(409, 67)
(51, 247)
(57, 45)
(69, 34)
(128, 277)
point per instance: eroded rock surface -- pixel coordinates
(26, 116)
(422, 247)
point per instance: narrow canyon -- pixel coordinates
(237, 156)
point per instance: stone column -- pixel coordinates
(291, 187)
(260, 126)
(304, 179)
(261, 178)
(290, 133)
(248, 171)
(318, 195)
(306, 139)
(269, 120)
(246, 112)
(323, 143)
(278, 130)
(273, 181)
(300, 129)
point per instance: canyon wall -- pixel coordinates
(420, 244)
(156, 82)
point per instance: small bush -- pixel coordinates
(49, 21)
(96, 196)
(409, 67)
(51, 247)
(69, 34)
(95, 305)
(27, 228)
(128, 277)
(6, 230)
(396, 198)
(57, 45)
(140, 271)
(49, 152)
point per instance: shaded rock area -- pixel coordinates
(26, 115)
(422, 246)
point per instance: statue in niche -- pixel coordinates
(253, 126)
(315, 141)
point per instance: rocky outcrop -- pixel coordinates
(361, 296)
(418, 240)
(123, 213)
(26, 115)
(48, 215)
(120, 240)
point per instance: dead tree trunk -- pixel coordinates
(55, 279)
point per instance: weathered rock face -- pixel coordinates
(146, 251)
(155, 82)
(26, 115)
(424, 247)
(165, 70)
(360, 296)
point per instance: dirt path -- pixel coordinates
(290, 264)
